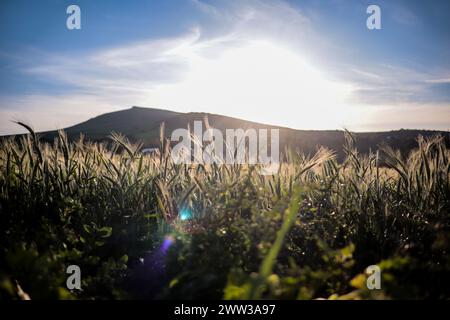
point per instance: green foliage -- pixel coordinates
(140, 226)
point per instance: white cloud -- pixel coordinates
(438, 81)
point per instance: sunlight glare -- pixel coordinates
(260, 82)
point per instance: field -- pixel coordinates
(141, 227)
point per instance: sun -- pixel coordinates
(262, 82)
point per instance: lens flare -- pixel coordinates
(185, 214)
(168, 241)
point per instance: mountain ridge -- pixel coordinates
(143, 124)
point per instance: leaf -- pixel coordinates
(105, 232)
(359, 281)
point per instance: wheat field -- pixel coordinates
(140, 226)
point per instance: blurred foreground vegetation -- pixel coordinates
(141, 227)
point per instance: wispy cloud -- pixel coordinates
(440, 81)
(389, 84)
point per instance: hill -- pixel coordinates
(142, 124)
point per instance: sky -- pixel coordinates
(309, 64)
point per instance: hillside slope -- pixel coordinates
(143, 124)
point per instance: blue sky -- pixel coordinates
(303, 64)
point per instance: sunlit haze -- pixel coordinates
(262, 82)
